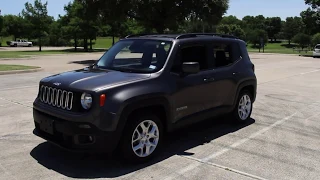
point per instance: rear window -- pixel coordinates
(317, 47)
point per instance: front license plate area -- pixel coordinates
(47, 126)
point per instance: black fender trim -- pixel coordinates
(251, 82)
(136, 103)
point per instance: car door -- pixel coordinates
(193, 93)
(225, 72)
(24, 43)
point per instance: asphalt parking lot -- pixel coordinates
(280, 142)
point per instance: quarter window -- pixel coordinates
(225, 54)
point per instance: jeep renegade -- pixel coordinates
(143, 87)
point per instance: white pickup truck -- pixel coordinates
(19, 42)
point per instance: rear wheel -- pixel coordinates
(142, 138)
(243, 109)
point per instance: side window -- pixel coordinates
(197, 53)
(225, 54)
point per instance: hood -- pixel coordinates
(91, 79)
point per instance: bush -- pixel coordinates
(316, 39)
(303, 40)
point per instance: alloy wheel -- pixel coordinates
(244, 108)
(145, 138)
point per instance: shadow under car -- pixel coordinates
(89, 166)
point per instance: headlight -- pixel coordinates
(86, 100)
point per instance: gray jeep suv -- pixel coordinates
(143, 87)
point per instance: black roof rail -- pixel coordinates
(190, 35)
(135, 35)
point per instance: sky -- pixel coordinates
(238, 8)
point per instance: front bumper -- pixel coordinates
(74, 136)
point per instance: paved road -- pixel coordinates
(280, 142)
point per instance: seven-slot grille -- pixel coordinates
(56, 97)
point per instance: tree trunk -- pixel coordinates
(40, 43)
(289, 41)
(112, 39)
(85, 45)
(90, 44)
(75, 44)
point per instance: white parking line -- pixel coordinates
(236, 144)
(281, 67)
(226, 168)
(300, 74)
(309, 72)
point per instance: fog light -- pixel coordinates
(85, 139)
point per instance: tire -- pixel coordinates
(15, 45)
(127, 143)
(244, 97)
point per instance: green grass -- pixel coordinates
(6, 67)
(104, 42)
(281, 48)
(4, 40)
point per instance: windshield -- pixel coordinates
(141, 56)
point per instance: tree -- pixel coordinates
(255, 36)
(253, 22)
(80, 22)
(1, 27)
(113, 13)
(311, 17)
(1, 23)
(166, 14)
(316, 39)
(292, 27)
(16, 26)
(231, 20)
(303, 40)
(233, 29)
(37, 15)
(310, 21)
(313, 3)
(273, 27)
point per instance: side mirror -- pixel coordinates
(190, 67)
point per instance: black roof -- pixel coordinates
(181, 36)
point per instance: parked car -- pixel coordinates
(143, 87)
(316, 51)
(20, 42)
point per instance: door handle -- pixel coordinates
(208, 79)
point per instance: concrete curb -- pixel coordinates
(20, 71)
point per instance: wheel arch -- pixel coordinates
(158, 105)
(250, 85)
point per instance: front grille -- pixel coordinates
(56, 97)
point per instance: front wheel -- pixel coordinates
(243, 108)
(142, 138)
